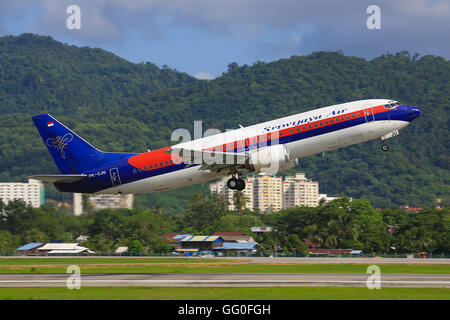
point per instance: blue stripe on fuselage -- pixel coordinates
(98, 183)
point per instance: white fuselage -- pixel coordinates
(302, 143)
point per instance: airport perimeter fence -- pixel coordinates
(206, 254)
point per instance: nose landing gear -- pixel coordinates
(384, 145)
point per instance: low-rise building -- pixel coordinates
(260, 230)
(102, 201)
(325, 198)
(64, 249)
(201, 243)
(30, 248)
(237, 248)
(234, 236)
(121, 250)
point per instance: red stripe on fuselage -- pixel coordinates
(162, 158)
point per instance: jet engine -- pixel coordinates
(270, 160)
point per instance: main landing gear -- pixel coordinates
(236, 183)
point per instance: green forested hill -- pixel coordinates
(121, 106)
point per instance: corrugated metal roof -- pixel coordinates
(121, 250)
(30, 246)
(200, 238)
(59, 246)
(181, 236)
(237, 246)
(75, 251)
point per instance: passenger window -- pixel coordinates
(160, 164)
(292, 131)
(150, 166)
(309, 126)
(281, 133)
(342, 118)
(326, 122)
(298, 130)
(165, 162)
(357, 114)
(353, 116)
(134, 170)
(348, 117)
(331, 120)
(304, 127)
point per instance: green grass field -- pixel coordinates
(185, 265)
(181, 265)
(157, 293)
(125, 260)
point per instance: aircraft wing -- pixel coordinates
(211, 160)
(59, 178)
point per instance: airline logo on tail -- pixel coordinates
(60, 143)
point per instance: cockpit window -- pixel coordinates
(391, 105)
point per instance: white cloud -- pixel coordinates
(201, 75)
(420, 25)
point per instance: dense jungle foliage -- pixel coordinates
(121, 106)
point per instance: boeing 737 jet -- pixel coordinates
(264, 148)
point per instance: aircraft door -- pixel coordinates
(370, 129)
(368, 113)
(115, 178)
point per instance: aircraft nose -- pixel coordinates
(413, 112)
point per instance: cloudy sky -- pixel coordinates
(201, 37)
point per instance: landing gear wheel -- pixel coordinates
(385, 147)
(232, 183)
(240, 184)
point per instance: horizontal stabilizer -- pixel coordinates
(60, 178)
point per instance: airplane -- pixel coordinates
(264, 148)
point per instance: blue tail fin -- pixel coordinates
(72, 154)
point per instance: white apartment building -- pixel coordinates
(270, 193)
(32, 193)
(299, 191)
(102, 201)
(220, 187)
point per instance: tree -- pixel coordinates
(136, 248)
(86, 203)
(239, 200)
(203, 212)
(8, 242)
(232, 67)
